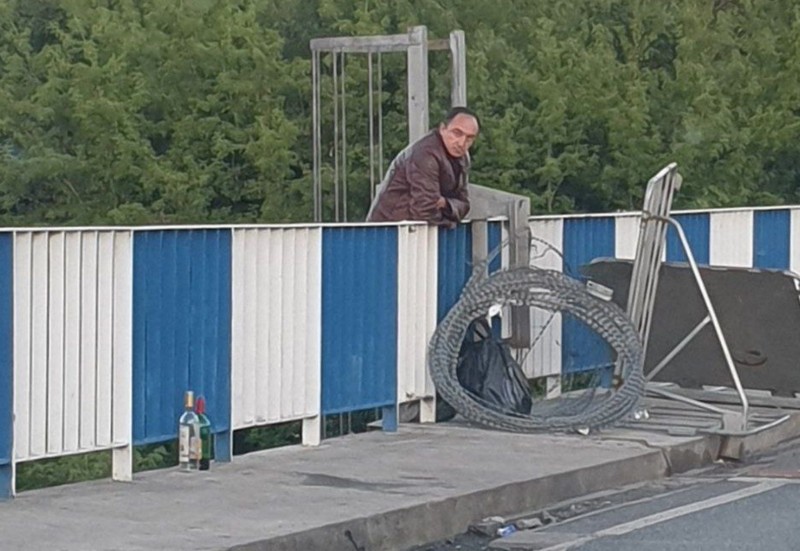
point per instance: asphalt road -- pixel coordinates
(736, 506)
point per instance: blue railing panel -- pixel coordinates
(6, 362)
(585, 239)
(181, 329)
(454, 266)
(359, 318)
(698, 234)
(494, 242)
(771, 237)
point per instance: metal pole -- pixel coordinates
(335, 136)
(418, 120)
(315, 133)
(344, 145)
(371, 132)
(458, 65)
(675, 351)
(685, 399)
(712, 313)
(380, 116)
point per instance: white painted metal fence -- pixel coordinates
(72, 343)
(276, 308)
(416, 314)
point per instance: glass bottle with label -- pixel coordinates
(189, 435)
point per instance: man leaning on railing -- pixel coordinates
(427, 181)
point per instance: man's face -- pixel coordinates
(459, 135)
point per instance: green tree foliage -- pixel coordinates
(137, 111)
(145, 111)
(585, 100)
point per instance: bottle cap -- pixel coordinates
(200, 405)
(188, 399)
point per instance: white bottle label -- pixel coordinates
(195, 448)
(184, 444)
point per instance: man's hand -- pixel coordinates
(441, 204)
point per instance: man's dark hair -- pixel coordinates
(455, 111)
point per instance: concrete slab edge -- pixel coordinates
(417, 525)
(740, 447)
(694, 454)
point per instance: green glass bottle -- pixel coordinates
(206, 436)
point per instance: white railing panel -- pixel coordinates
(544, 358)
(506, 328)
(276, 316)
(55, 348)
(794, 241)
(626, 235)
(122, 334)
(731, 239)
(23, 263)
(272, 378)
(72, 337)
(72, 367)
(105, 305)
(88, 350)
(416, 309)
(38, 345)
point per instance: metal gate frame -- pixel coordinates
(656, 218)
(416, 45)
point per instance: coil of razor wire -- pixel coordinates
(555, 292)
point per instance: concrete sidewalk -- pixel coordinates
(368, 491)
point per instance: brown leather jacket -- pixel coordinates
(415, 180)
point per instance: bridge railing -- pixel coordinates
(103, 329)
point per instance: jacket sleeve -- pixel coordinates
(423, 180)
(458, 203)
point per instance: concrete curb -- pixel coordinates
(692, 455)
(680, 457)
(740, 447)
(417, 525)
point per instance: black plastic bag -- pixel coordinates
(487, 370)
(473, 361)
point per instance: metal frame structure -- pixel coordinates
(642, 295)
(416, 46)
